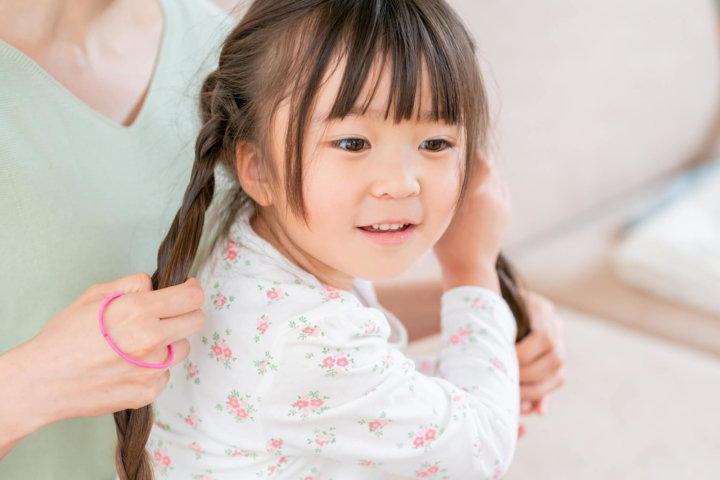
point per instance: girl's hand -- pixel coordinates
(469, 248)
(69, 370)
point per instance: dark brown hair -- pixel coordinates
(281, 52)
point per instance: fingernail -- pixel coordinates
(521, 430)
(525, 406)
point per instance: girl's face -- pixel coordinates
(377, 194)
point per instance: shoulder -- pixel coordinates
(194, 33)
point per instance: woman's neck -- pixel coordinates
(37, 23)
(275, 236)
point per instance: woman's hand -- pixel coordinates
(469, 248)
(541, 355)
(69, 370)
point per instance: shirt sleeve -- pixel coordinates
(340, 392)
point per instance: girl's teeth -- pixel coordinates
(384, 226)
(394, 226)
(375, 227)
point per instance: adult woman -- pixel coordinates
(98, 102)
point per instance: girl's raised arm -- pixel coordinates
(340, 392)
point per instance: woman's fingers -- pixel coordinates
(182, 326)
(535, 391)
(182, 350)
(537, 344)
(542, 368)
(173, 301)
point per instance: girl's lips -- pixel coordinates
(395, 237)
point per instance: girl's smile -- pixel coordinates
(390, 233)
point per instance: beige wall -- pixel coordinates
(593, 98)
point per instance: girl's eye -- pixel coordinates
(435, 145)
(351, 144)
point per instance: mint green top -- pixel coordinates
(84, 200)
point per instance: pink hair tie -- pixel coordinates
(114, 347)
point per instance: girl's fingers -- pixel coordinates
(542, 368)
(182, 326)
(535, 391)
(173, 301)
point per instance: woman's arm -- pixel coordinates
(69, 370)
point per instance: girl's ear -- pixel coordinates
(249, 171)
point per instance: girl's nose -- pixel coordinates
(396, 178)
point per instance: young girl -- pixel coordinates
(350, 129)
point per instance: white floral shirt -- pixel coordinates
(291, 379)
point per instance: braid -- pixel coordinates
(175, 258)
(510, 289)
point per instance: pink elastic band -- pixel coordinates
(114, 347)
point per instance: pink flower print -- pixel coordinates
(231, 252)
(463, 333)
(425, 437)
(262, 324)
(227, 352)
(237, 407)
(432, 470)
(302, 404)
(192, 420)
(309, 330)
(263, 366)
(479, 302)
(330, 293)
(274, 445)
(366, 464)
(220, 300)
(422, 473)
(195, 446)
(328, 362)
(454, 339)
(272, 294)
(374, 425)
(192, 370)
(322, 439)
(499, 365)
(237, 453)
(498, 471)
(161, 457)
(310, 403)
(217, 350)
(342, 362)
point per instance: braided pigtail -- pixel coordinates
(175, 258)
(510, 290)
